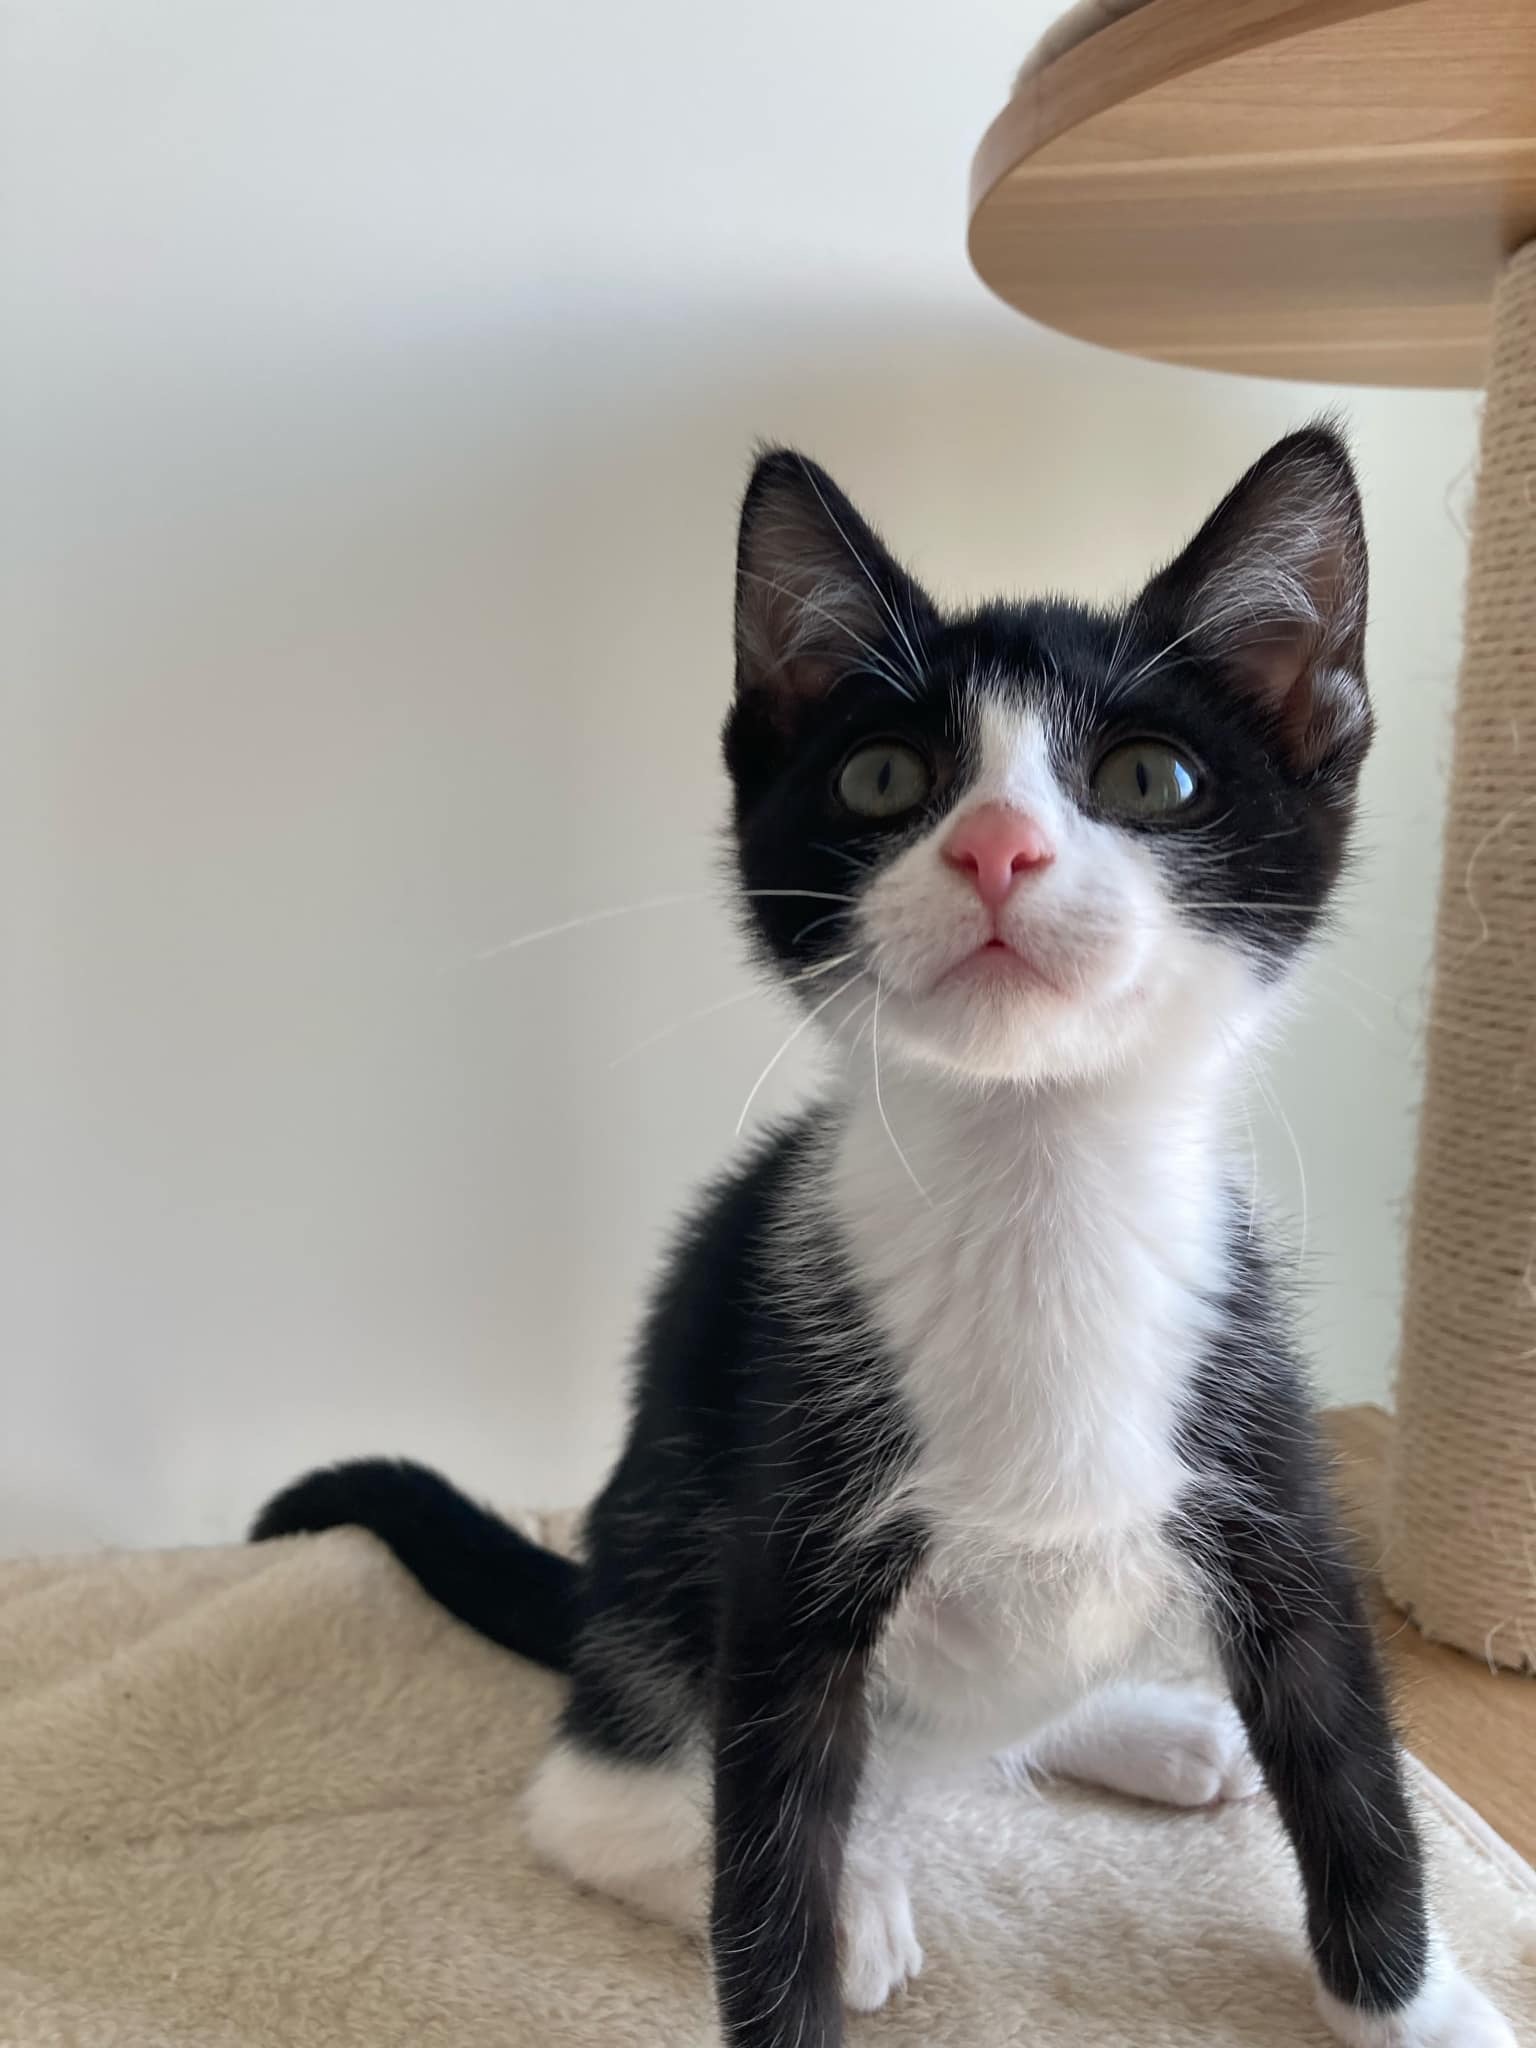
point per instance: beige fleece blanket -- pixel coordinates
(269, 1799)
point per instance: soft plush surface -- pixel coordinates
(271, 1797)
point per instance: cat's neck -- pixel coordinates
(916, 1137)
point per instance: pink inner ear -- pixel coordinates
(1316, 704)
(1305, 668)
(1276, 666)
(1296, 713)
(799, 625)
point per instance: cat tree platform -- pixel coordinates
(1294, 188)
(1346, 190)
(271, 1797)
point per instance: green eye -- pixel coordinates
(1144, 779)
(884, 779)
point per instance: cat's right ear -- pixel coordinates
(818, 596)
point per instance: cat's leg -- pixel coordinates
(790, 1854)
(1179, 1746)
(640, 1832)
(1301, 1662)
(798, 1914)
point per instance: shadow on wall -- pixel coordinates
(390, 657)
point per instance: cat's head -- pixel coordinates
(1031, 840)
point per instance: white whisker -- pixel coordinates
(816, 924)
(1290, 1131)
(1139, 674)
(805, 1022)
(890, 610)
(883, 666)
(1127, 618)
(874, 1053)
(590, 917)
(742, 995)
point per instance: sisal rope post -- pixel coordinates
(1461, 1501)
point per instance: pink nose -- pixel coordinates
(993, 846)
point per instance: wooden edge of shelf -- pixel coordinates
(1157, 42)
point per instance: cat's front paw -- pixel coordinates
(1196, 1757)
(877, 1946)
(1157, 1742)
(1450, 2012)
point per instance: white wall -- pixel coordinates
(378, 381)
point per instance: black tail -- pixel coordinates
(469, 1560)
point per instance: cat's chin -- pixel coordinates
(1001, 1023)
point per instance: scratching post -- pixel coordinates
(1461, 1534)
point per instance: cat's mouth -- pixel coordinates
(997, 964)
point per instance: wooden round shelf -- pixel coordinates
(1293, 188)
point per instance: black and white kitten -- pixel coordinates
(971, 1383)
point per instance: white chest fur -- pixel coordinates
(1042, 1271)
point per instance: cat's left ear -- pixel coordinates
(1272, 591)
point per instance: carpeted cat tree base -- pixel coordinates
(1461, 1518)
(269, 1798)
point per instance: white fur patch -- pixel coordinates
(877, 1946)
(640, 1833)
(1178, 1747)
(1046, 1291)
(1450, 2012)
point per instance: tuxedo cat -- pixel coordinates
(971, 1385)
